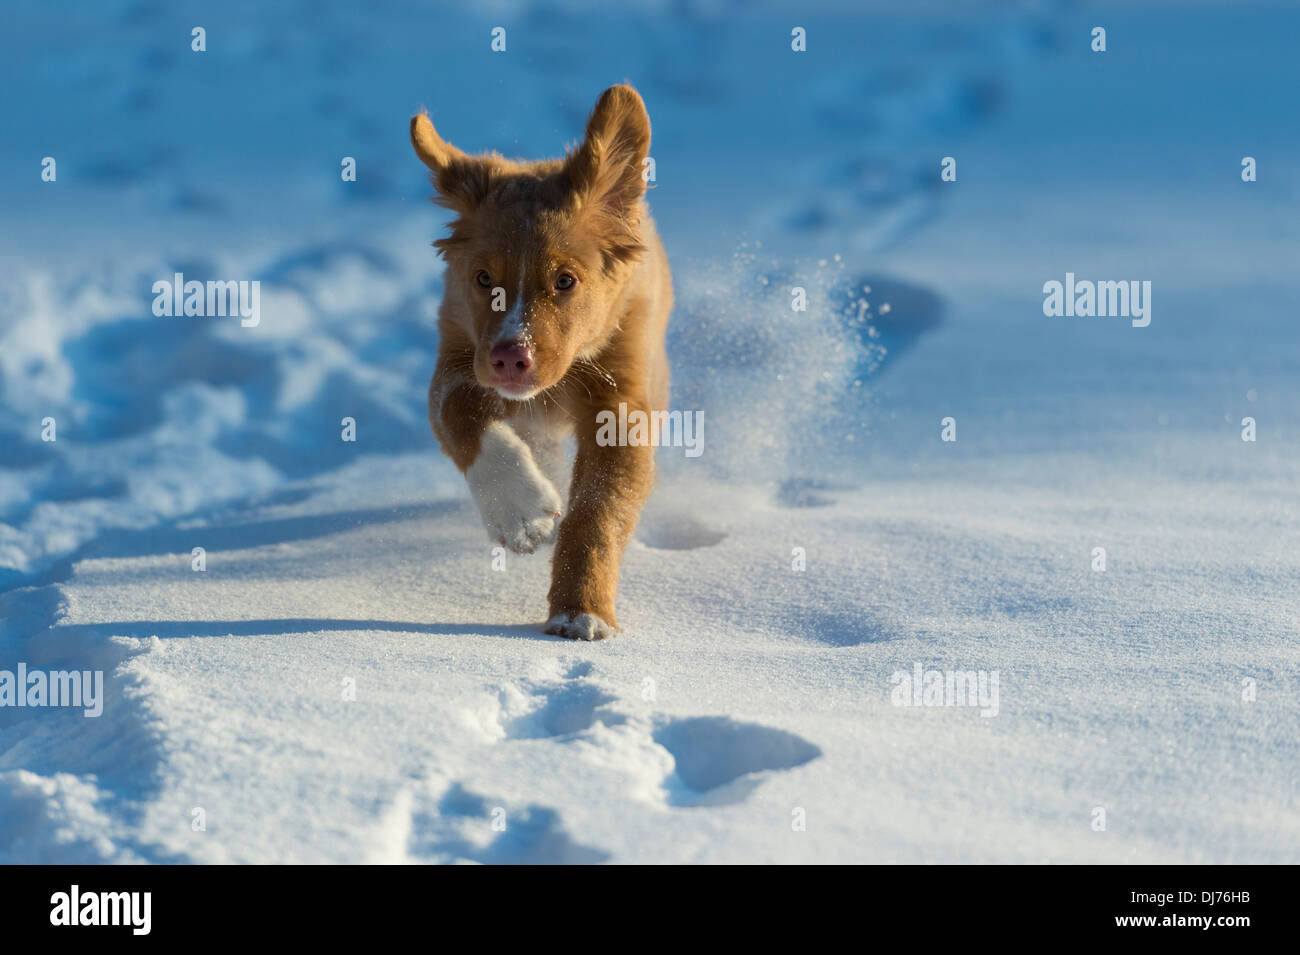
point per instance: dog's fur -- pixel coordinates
(520, 227)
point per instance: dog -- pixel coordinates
(555, 306)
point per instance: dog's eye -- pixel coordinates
(483, 279)
(564, 281)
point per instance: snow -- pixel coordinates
(350, 679)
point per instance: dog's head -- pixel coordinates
(539, 251)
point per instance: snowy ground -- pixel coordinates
(743, 696)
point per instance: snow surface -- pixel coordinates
(743, 695)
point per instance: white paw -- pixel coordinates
(519, 504)
(579, 626)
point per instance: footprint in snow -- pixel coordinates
(463, 826)
(720, 761)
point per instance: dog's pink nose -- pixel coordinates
(511, 360)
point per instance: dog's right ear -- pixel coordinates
(461, 181)
(604, 171)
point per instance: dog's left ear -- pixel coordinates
(462, 181)
(606, 169)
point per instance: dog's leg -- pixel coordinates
(548, 440)
(610, 484)
(519, 504)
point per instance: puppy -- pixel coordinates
(557, 294)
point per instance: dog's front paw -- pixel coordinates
(526, 521)
(579, 626)
(520, 506)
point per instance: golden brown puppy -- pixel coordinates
(557, 294)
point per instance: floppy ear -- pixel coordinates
(462, 181)
(605, 171)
